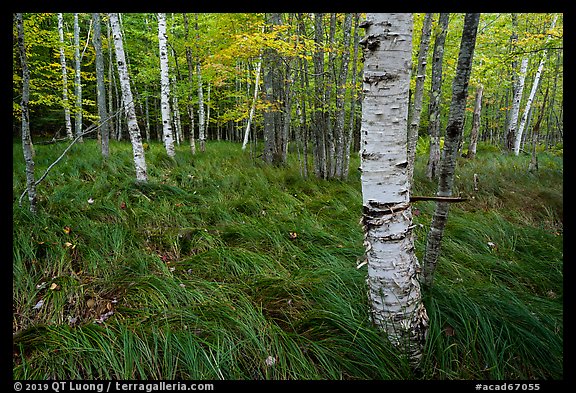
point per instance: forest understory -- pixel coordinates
(223, 267)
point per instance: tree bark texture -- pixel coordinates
(435, 95)
(394, 289)
(475, 122)
(416, 108)
(167, 134)
(100, 86)
(129, 109)
(26, 138)
(201, 129)
(451, 144)
(515, 110)
(67, 120)
(77, 79)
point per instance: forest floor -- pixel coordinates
(220, 267)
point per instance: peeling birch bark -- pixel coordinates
(394, 289)
(165, 87)
(128, 100)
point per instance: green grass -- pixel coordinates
(196, 275)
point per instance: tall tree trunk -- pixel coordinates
(340, 96)
(533, 166)
(518, 135)
(319, 150)
(190, 83)
(416, 107)
(435, 96)
(451, 144)
(165, 87)
(201, 129)
(111, 82)
(475, 123)
(253, 106)
(133, 129)
(100, 86)
(515, 110)
(394, 291)
(353, 98)
(67, 120)
(77, 79)
(26, 138)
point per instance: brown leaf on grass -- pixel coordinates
(449, 331)
(293, 235)
(67, 229)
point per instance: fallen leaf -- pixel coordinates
(449, 331)
(293, 235)
(54, 286)
(39, 304)
(123, 205)
(90, 201)
(67, 229)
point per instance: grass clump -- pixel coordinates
(220, 267)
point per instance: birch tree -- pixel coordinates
(100, 86)
(518, 136)
(67, 120)
(340, 95)
(254, 100)
(165, 87)
(77, 79)
(516, 99)
(26, 138)
(394, 291)
(451, 144)
(435, 95)
(416, 108)
(201, 129)
(129, 109)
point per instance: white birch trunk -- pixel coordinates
(67, 119)
(201, 129)
(254, 100)
(190, 77)
(518, 136)
(340, 96)
(394, 289)
(518, 90)
(133, 129)
(77, 79)
(26, 138)
(165, 87)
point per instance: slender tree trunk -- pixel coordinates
(190, 83)
(133, 129)
(201, 129)
(394, 291)
(353, 98)
(475, 123)
(26, 138)
(340, 96)
(515, 110)
(416, 107)
(165, 87)
(435, 96)
(451, 144)
(254, 100)
(319, 99)
(518, 136)
(68, 121)
(207, 121)
(100, 85)
(330, 82)
(77, 79)
(533, 166)
(113, 121)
